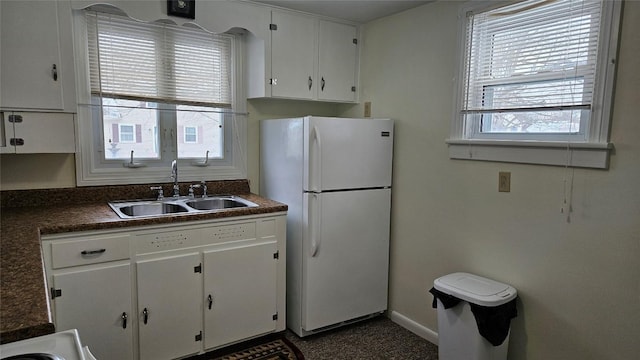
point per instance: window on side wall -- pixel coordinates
(535, 82)
(156, 92)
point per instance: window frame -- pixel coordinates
(590, 148)
(93, 169)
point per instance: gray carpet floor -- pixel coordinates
(377, 338)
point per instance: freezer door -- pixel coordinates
(347, 153)
(345, 256)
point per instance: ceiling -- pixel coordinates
(360, 11)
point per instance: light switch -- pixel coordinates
(367, 109)
(504, 181)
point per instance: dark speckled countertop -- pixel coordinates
(26, 214)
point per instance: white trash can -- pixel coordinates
(460, 298)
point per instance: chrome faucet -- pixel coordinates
(174, 177)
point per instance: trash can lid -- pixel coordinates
(475, 289)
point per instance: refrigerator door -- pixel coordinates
(345, 256)
(347, 153)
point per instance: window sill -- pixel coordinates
(586, 155)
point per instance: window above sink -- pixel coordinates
(141, 108)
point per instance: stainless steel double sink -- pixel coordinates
(127, 209)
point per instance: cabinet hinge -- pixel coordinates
(355, 41)
(275, 316)
(353, 88)
(197, 269)
(15, 118)
(199, 336)
(273, 27)
(56, 293)
(16, 141)
(276, 255)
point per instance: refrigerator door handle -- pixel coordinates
(317, 175)
(316, 225)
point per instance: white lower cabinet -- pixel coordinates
(169, 306)
(97, 302)
(169, 291)
(242, 305)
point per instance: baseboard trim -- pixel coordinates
(420, 330)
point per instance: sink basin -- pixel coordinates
(218, 203)
(153, 208)
(181, 205)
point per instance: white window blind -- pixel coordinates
(158, 62)
(536, 56)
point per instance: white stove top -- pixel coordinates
(64, 344)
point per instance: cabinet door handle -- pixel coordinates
(92, 252)
(54, 72)
(145, 315)
(124, 320)
(322, 84)
(210, 300)
(310, 83)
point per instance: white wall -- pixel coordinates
(578, 281)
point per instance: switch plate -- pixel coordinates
(367, 109)
(504, 181)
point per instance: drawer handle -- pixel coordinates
(92, 252)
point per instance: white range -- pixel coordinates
(64, 345)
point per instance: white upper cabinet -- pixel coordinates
(293, 54)
(306, 58)
(36, 132)
(36, 56)
(338, 56)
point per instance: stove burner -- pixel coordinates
(34, 356)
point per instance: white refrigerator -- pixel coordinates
(335, 176)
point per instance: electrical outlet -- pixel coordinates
(504, 181)
(367, 109)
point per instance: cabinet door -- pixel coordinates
(338, 55)
(37, 132)
(30, 50)
(96, 302)
(240, 293)
(293, 56)
(169, 306)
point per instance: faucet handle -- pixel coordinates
(191, 187)
(204, 189)
(160, 191)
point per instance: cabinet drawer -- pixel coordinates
(89, 251)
